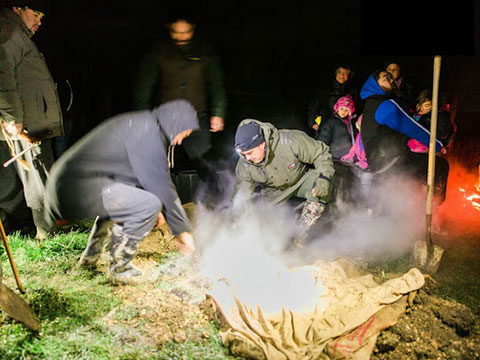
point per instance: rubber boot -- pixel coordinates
(97, 243)
(311, 212)
(123, 248)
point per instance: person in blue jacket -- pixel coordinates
(386, 129)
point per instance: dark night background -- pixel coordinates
(274, 53)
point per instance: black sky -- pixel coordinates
(276, 50)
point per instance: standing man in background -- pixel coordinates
(185, 68)
(29, 109)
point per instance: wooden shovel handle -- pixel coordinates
(10, 257)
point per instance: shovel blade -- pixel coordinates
(420, 254)
(434, 259)
(17, 308)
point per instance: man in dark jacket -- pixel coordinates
(185, 68)
(120, 172)
(29, 111)
(280, 162)
(323, 100)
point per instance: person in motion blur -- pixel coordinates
(119, 172)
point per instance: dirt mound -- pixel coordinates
(171, 309)
(153, 316)
(433, 328)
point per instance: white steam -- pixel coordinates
(385, 227)
(247, 250)
(241, 253)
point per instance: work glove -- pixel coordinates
(320, 187)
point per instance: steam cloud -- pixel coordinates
(249, 246)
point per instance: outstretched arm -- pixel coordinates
(389, 113)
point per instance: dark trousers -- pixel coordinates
(197, 148)
(416, 166)
(13, 208)
(134, 209)
(11, 188)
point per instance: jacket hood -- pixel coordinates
(176, 116)
(270, 133)
(371, 88)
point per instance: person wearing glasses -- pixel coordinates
(29, 112)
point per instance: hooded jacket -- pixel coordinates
(130, 148)
(288, 156)
(27, 92)
(386, 127)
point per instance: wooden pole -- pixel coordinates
(10, 257)
(431, 150)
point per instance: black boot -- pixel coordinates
(123, 248)
(97, 242)
(311, 212)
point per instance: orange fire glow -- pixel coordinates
(459, 214)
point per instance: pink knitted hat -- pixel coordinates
(345, 101)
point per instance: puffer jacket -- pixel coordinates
(27, 91)
(386, 127)
(338, 134)
(289, 154)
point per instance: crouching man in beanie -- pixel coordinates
(120, 173)
(285, 164)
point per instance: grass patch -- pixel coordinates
(68, 300)
(72, 305)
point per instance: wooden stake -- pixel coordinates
(434, 252)
(10, 257)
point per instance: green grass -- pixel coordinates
(71, 303)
